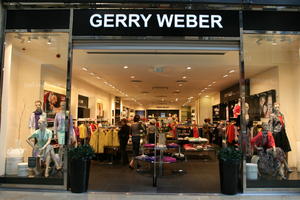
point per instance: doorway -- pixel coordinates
(174, 85)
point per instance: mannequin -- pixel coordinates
(277, 127)
(42, 147)
(272, 159)
(36, 115)
(60, 128)
(237, 109)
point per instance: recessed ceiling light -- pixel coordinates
(98, 78)
(105, 82)
(206, 96)
(214, 82)
(125, 67)
(184, 77)
(226, 75)
(202, 90)
(199, 93)
(84, 68)
(209, 85)
(92, 73)
(132, 76)
(205, 88)
(176, 99)
(189, 68)
(231, 71)
(191, 97)
(180, 85)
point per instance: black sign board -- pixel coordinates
(31, 162)
(246, 2)
(155, 23)
(38, 19)
(271, 20)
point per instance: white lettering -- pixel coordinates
(121, 18)
(98, 22)
(191, 21)
(146, 19)
(108, 18)
(179, 19)
(134, 18)
(164, 19)
(216, 19)
(203, 19)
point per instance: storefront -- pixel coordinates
(61, 63)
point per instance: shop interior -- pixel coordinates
(189, 91)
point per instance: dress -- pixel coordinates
(60, 126)
(277, 127)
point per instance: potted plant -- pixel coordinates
(79, 161)
(229, 166)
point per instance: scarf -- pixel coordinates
(37, 114)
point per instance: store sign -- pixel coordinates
(155, 23)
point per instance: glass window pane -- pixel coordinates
(34, 92)
(273, 66)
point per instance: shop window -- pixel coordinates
(33, 107)
(272, 65)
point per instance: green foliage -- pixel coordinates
(230, 154)
(84, 152)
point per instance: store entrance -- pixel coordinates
(169, 95)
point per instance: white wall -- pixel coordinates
(264, 81)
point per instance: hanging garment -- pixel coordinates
(101, 141)
(195, 132)
(230, 133)
(82, 131)
(115, 142)
(95, 140)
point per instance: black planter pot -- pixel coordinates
(79, 175)
(229, 176)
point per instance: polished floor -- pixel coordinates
(196, 175)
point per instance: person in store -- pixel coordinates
(272, 159)
(152, 131)
(136, 131)
(123, 138)
(221, 130)
(42, 148)
(207, 133)
(277, 127)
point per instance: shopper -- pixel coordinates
(136, 132)
(152, 131)
(123, 138)
(207, 133)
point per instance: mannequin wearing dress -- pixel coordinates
(42, 147)
(277, 127)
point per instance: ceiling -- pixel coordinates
(155, 77)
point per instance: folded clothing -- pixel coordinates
(172, 145)
(169, 159)
(189, 147)
(149, 145)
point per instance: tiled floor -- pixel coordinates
(57, 195)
